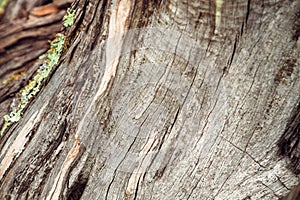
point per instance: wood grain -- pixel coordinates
(190, 113)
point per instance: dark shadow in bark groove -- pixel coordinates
(77, 189)
(289, 143)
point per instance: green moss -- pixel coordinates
(34, 85)
(68, 19)
(3, 3)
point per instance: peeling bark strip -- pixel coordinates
(117, 28)
(19, 144)
(118, 25)
(61, 179)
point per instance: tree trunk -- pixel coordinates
(164, 100)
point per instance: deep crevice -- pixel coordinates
(289, 143)
(248, 11)
(234, 49)
(77, 189)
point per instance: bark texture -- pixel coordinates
(25, 28)
(164, 99)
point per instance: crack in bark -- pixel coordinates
(248, 11)
(233, 51)
(244, 152)
(270, 189)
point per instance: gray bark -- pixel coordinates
(164, 100)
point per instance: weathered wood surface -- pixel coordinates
(191, 103)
